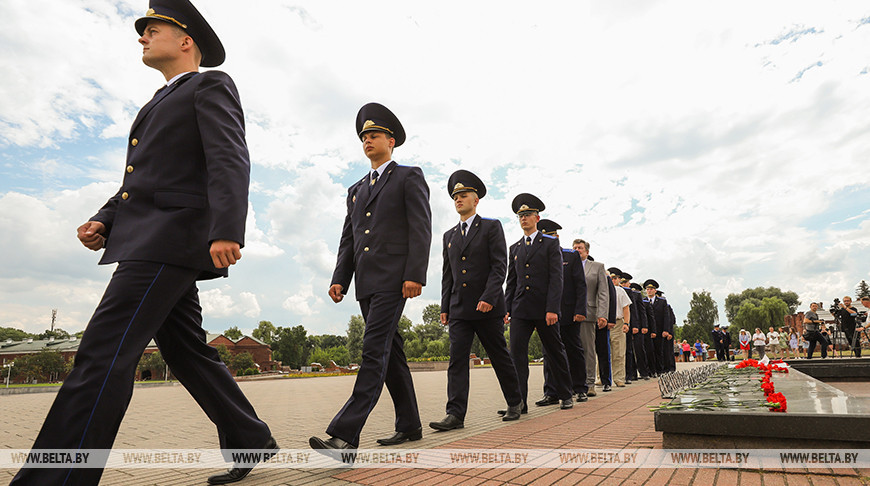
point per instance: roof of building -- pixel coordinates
(72, 344)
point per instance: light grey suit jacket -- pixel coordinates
(597, 292)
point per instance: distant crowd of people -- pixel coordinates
(786, 342)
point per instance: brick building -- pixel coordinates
(260, 351)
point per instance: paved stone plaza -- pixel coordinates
(166, 417)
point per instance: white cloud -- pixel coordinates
(218, 302)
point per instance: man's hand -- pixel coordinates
(644, 330)
(411, 289)
(483, 306)
(443, 318)
(666, 335)
(625, 328)
(579, 318)
(634, 330)
(225, 253)
(552, 318)
(652, 335)
(91, 235)
(610, 325)
(602, 323)
(335, 292)
(507, 318)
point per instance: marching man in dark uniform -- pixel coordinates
(385, 245)
(472, 300)
(573, 313)
(178, 217)
(639, 328)
(663, 341)
(534, 299)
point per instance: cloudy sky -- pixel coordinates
(708, 145)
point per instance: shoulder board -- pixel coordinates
(486, 219)
(548, 236)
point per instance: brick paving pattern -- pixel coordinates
(166, 417)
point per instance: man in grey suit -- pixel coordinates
(597, 306)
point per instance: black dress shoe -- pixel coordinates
(237, 473)
(524, 410)
(513, 413)
(547, 400)
(333, 443)
(567, 403)
(606, 388)
(646, 378)
(449, 422)
(581, 397)
(402, 437)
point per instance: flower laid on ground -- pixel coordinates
(776, 402)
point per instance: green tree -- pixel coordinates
(436, 348)
(154, 362)
(265, 332)
(233, 333)
(405, 326)
(536, 347)
(338, 354)
(355, 330)
(862, 290)
(432, 314)
(58, 333)
(327, 341)
(756, 296)
(430, 331)
(14, 334)
(776, 310)
(243, 361)
(414, 348)
(46, 365)
(291, 346)
(225, 355)
(702, 316)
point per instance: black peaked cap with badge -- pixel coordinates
(375, 117)
(626, 276)
(548, 227)
(527, 203)
(636, 286)
(184, 15)
(651, 283)
(465, 181)
(615, 271)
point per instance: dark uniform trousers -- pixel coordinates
(474, 271)
(569, 331)
(648, 345)
(383, 362)
(189, 187)
(573, 303)
(491, 335)
(554, 352)
(636, 365)
(387, 228)
(534, 287)
(143, 300)
(673, 320)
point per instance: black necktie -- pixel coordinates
(374, 180)
(159, 90)
(464, 228)
(528, 240)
